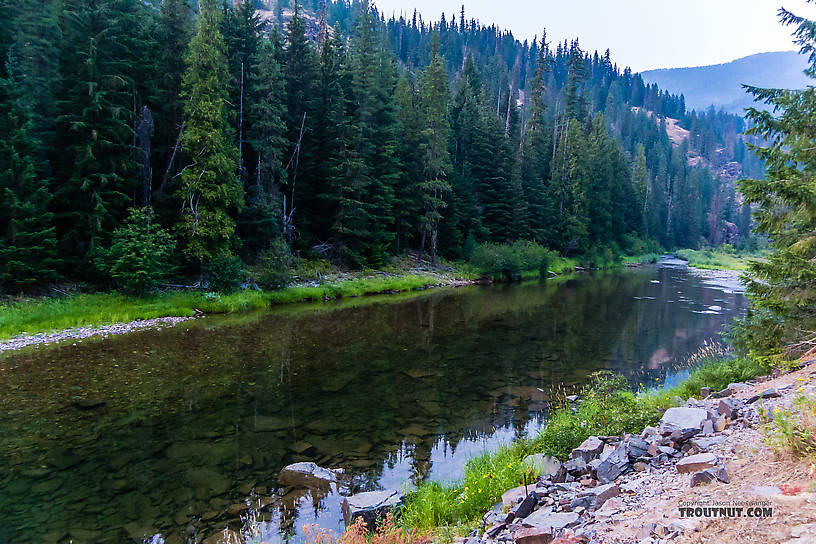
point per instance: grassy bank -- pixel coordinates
(722, 258)
(93, 309)
(608, 407)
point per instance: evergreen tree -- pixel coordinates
(783, 288)
(210, 189)
(27, 234)
(434, 144)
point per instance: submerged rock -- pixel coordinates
(307, 475)
(372, 506)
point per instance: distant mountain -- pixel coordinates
(721, 84)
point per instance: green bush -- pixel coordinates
(141, 254)
(224, 273)
(274, 269)
(510, 261)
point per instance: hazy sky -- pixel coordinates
(642, 34)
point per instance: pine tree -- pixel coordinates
(210, 189)
(783, 288)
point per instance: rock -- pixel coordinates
(719, 424)
(708, 427)
(677, 400)
(544, 519)
(702, 477)
(766, 490)
(735, 387)
(705, 392)
(542, 464)
(695, 463)
(722, 475)
(533, 535)
(307, 475)
(730, 407)
(599, 495)
(301, 447)
(372, 506)
(703, 444)
(588, 450)
(511, 497)
(495, 529)
(767, 394)
(639, 466)
(684, 525)
(572, 398)
(682, 419)
(576, 466)
(637, 448)
(525, 507)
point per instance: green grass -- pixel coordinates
(723, 258)
(602, 412)
(58, 313)
(646, 258)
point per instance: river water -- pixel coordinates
(171, 431)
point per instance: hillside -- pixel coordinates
(721, 84)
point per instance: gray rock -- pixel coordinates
(588, 450)
(576, 466)
(371, 506)
(613, 466)
(695, 463)
(730, 407)
(525, 507)
(600, 494)
(572, 398)
(542, 464)
(495, 529)
(544, 519)
(682, 419)
(708, 427)
(637, 448)
(736, 387)
(702, 477)
(767, 394)
(722, 474)
(705, 392)
(307, 475)
(719, 424)
(704, 444)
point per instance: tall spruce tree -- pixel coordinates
(210, 190)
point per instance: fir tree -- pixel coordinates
(210, 189)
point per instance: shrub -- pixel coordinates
(793, 430)
(141, 254)
(224, 273)
(274, 269)
(503, 261)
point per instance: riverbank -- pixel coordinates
(723, 258)
(746, 443)
(46, 320)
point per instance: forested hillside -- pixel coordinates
(160, 139)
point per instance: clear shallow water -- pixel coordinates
(170, 431)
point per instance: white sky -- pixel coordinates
(643, 34)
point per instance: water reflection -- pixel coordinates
(171, 431)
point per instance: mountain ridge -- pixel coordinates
(720, 85)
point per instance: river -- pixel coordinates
(169, 431)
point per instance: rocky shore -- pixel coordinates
(704, 465)
(80, 333)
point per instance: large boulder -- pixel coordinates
(307, 475)
(682, 419)
(372, 506)
(588, 450)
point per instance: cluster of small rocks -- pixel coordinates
(607, 476)
(79, 333)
